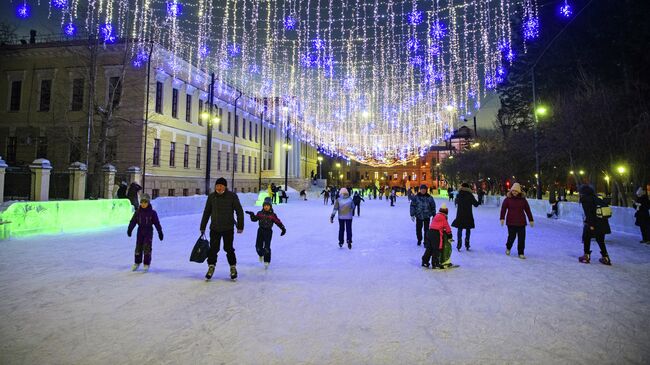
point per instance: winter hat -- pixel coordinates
(221, 181)
(267, 202)
(443, 209)
(465, 185)
(586, 190)
(145, 198)
(640, 192)
(516, 187)
(423, 186)
(344, 191)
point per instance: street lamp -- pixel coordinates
(338, 166)
(320, 167)
(538, 111)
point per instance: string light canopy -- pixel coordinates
(376, 81)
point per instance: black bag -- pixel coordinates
(200, 250)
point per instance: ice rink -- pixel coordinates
(72, 299)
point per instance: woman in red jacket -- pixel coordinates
(517, 209)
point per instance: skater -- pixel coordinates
(121, 191)
(481, 195)
(423, 207)
(642, 205)
(132, 194)
(345, 207)
(517, 209)
(595, 225)
(464, 216)
(303, 195)
(439, 232)
(393, 197)
(554, 209)
(267, 218)
(357, 199)
(450, 193)
(146, 218)
(334, 194)
(219, 209)
(326, 195)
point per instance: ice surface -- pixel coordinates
(71, 299)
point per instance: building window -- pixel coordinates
(172, 154)
(159, 97)
(77, 95)
(263, 136)
(114, 91)
(186, 192)
(16, 88)
(188, 108)
(171, 192)
(236, 126)
(228, 122)
(12, 145)
(219, 160)
(250, 130)
(155, 193)
(249, 164)
(220, 119)
(234, 163)
(227, 161)
(243, 163)
(197, 191)
(243, 128)
(41, 147)
(256, 127)
(198, 157)
(199, 121)
(46, 94)
(255, 166)
(156, 152)
(174, 103)
(270, 164)
(186, 156)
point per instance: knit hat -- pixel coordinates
(516, 187)
(464, 185)
(344, 191)
(221, 181)
(443, 209)
(423, 186)
(145, 198)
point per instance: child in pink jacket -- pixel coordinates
(439, 231)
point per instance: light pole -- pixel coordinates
(287, 147)
(338, 166)
(208, 116)
(320, 167)
(537, 111)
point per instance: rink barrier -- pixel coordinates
(622, 219)
(22, 219)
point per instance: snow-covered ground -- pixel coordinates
(72, 299)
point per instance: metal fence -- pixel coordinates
(59, 185)
(18, 182)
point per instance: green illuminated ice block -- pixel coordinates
(260, 197)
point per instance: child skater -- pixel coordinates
(266, 217)
(145, 217)
(438, 242)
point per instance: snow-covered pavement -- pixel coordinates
(72, 299)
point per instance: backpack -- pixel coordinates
(603, 211)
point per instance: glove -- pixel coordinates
(502, 221)
(331, 219)
(160, 235)
(532, 224)
(249, 212)
(284, 231)
(128, 233)
(413, 218)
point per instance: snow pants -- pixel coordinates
(518, 232)
(215, 240)
(263, 243)
(432, 248)
(143, 249)
(345, 225)
(588, 234)
(421, 228)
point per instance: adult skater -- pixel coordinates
(517, 208)
(132, 194)
(357, 199)
(267, 218)
(326, 195)
(393, 197)
(345, 208)
(464, 216)
(595, 226)
(219, 209)
(121, 191)
(145, 218)
(450, 193)
(642, 206)
(423, 207)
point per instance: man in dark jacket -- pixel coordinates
(132, 194)
(642, 214)
(121, 191)
(219, 208)
(464, 217)
(423, 207)
(594, 226)
(357, 199)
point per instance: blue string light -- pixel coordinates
(234, 50)
(290, 23)
(531, 28)
(174, 9)
(23, 11)
(438, 30)
(415, 17)
(204, 51)
(106, 32)
(59, 4)
(70, 29)
(566, 10)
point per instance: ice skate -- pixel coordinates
(135, 267)
(145, 268)
(586, 258)
(266, 265)
(507, 251)
(425, 265)
(349, 245)
(233, 273)
(605, 260)
(210, 272)
(341, 244)
(522, 257)
(262, 259)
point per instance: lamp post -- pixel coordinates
(146, 121)
(338, 166)
(287, 147)
(320, 167)
(537, 111)
(208, 116)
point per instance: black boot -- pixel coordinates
(466, 244)
(586, 258)
(605, 259)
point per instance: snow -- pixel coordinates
(72, 298)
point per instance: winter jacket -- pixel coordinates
(219, 209)
(146, 219)
(132, 194)
(439, 223)
(345, 206)
(601, 225)
(357, 199)
(464, 216)
(422, 206)
(121, 192)
(267, 219)
(642, 215)
(518, 209)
